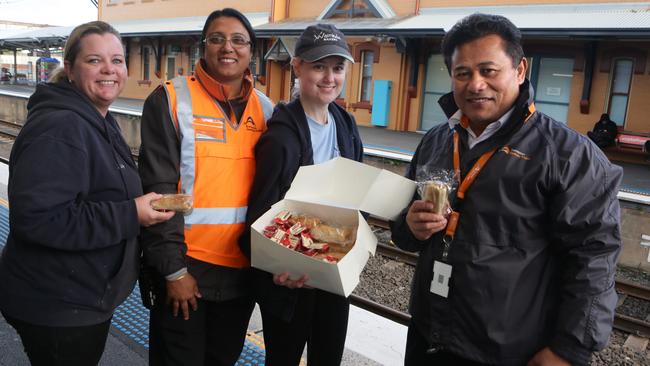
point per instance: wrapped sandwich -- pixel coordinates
(436, 192)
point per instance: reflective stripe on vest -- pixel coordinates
(216, 216)
(233, 215)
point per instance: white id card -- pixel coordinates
(440, 281)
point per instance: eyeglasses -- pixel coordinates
(236, 41)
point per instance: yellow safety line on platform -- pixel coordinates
(4, 202)
(257, 340)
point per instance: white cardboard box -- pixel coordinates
(334, 191)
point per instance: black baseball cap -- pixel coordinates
(320, 41)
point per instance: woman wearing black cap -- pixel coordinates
(309, 130)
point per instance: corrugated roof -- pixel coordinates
(180, 25)
(349, 26)
(591, 18)
(40, 33)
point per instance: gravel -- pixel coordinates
(388, 282)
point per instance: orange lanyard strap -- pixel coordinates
(454, 217)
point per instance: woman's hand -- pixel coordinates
(283, 279)
(147, 216)
(182, 295)
(422, 221)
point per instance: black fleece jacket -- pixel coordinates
(282, 149)
(72, 255)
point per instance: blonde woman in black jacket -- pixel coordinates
(76, 208)
(309, 130)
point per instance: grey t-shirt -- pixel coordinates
(323, 139)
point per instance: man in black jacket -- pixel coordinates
(604, 132)
(522, 270)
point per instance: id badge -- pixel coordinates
(440, 281)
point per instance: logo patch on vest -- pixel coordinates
(209, 129)
(250, 124)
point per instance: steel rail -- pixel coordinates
(381, 310)
(632, 325)
(633, 289)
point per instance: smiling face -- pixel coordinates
(225, 63)
(485, 83)
(99, 70)
(320, 81)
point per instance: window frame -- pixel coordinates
(611, 93)
(365, 79)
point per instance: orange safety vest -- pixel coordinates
(217, 167)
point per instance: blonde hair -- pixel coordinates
(73, 44)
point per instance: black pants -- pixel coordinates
(213, 335)
(420, 353)
(62, 346)
(320, 319)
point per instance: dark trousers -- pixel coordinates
(62, 346)
(420, 353)
(213, 335)
(320, 319)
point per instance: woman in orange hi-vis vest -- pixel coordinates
(198, 136)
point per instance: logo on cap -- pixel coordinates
(327, 37)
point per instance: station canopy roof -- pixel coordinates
(553, 21)
(56, 36)
(595, 20)
(175, 26)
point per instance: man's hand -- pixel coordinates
(422, 221)
(283, 279)
(182, 293)
(546, 357)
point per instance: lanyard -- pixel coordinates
(463, 186)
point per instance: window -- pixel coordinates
(365, 87)
(437, 83)
(621, 78)
(551, 77)
(145, 63)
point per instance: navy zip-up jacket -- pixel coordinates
(72, 255)
(535, 252)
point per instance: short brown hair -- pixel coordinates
(73, 43)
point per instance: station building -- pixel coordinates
(586, 57)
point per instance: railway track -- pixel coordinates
(626, 289)
(9, 130)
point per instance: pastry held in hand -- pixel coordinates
(173, 202)
(436, 193)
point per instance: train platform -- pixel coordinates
(371, 339)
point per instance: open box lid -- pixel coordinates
(346, 183)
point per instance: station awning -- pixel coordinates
(175, 26)
(563, 20)
(56, 36)
(35, 38)
(349, 26)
